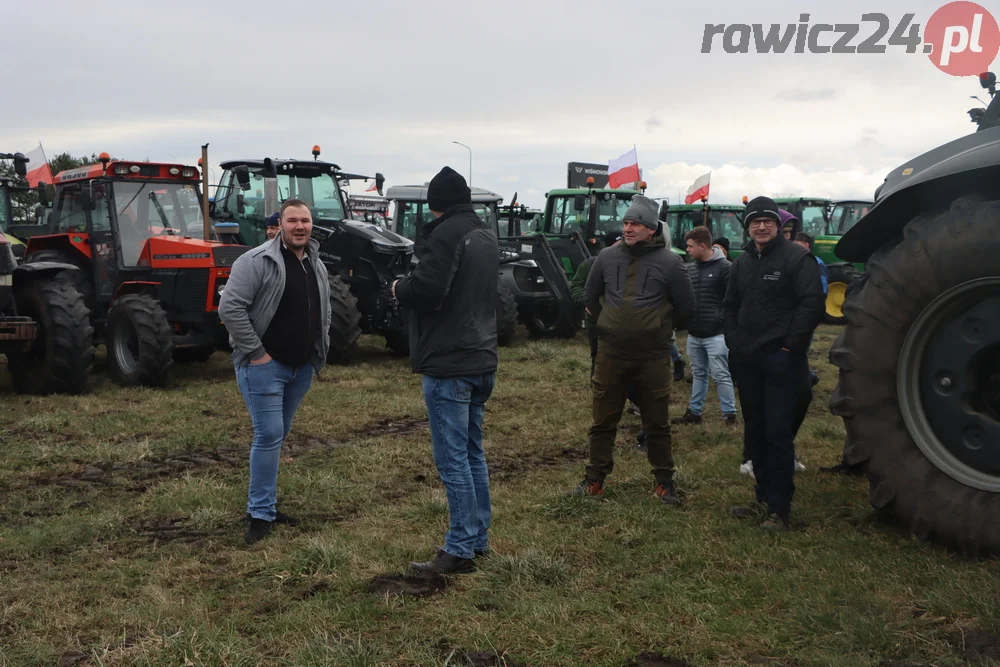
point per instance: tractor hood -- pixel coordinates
(378, 235)
(926, 182)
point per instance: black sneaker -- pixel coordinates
(445, 563)
(667, 494)
(687, 418)
(640, 441)
(730, 420)
(481, 553)
(679, 370)
(258, 530)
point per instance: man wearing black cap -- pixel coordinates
(452, 300)
(772, 306)
(638, 292)
(272, 226)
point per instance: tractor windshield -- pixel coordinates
(610, 209)
(147, 209)
(845, 215)
(487, 212)
(318, 190)
(813, 218)
(726, 224)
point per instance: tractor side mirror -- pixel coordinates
(241, 206)
(87, 197)
(270, 169)
(43, 195)
(579, 203)
(379, 182)
(662, 215)
(20, 165)
(987, 79)
(243, 176)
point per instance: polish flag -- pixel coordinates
(38, 168)
(698, 189)
(623, 170)
(371, 188)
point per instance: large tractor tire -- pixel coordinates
(345, 322)
(61, 358)
(81, 280)
(545, 321)
(839, 279)
(506, 315)
(919, 387)
(139, 342)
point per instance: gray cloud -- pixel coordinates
(805, 95)
(652, 123)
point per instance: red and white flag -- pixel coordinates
(371, 188)
(698, 189)
(623, 170)
(38, 168)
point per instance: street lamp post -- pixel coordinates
(470, 159)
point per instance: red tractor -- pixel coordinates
(150, 279)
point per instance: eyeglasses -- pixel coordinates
(766, 222)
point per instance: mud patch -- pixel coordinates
(394, 427)
(173, 530)
(976, 646)
(656, 660)
(488, 659)
(507, 468)
(416, 585)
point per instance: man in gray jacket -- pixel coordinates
(276, 307)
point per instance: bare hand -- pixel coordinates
(394, 288)
(263, 360)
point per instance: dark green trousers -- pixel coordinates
(651, 378)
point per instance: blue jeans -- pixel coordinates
(675, 354)
(272, 393)
(710, 355)
(455, 409)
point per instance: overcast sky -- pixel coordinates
(529, 86)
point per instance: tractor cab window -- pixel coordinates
(565, 219)
(72, 217)
(610, 212)
(845, 216)
(318, 190)
(147, 209)
(407, 213)
(813, 220)
(487, 212)
(727, 224)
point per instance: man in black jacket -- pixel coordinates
(452, 299)
(706, 344)
(772, 306)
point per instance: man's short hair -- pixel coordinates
(700, 234)
(805, 238)
(288, 203)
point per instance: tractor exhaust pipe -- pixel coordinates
(204, 193)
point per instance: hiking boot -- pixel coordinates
(589, 487)
(799, 466)
(281, 518)
(667, 494)
(746, 468)
(730, 420)
(481, 553)
(755, 511)
(679, 367)
(688, 418)
(774, 524)
(445, 563)
(258, 530)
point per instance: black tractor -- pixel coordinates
(363, 258)
(919, 358)
(45, 330)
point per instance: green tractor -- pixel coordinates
(919, 358)
(722, 220)
(842, 217)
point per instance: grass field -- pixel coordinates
(121, 537)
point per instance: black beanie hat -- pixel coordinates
(447, 189)
(273, 221)
(722, 242)
(761, 207)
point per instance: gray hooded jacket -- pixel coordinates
(253, 293)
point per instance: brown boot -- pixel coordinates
(688, 418)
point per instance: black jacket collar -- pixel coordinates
(451, 212)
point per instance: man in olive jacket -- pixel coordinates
(646, 294)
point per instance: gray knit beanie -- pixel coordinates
(642, 210)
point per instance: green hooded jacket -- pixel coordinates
(646, 294)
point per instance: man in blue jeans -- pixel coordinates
(706, 344)
(276, 307)
(451, 296)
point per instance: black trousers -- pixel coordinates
(773, 388)
(800, 415)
